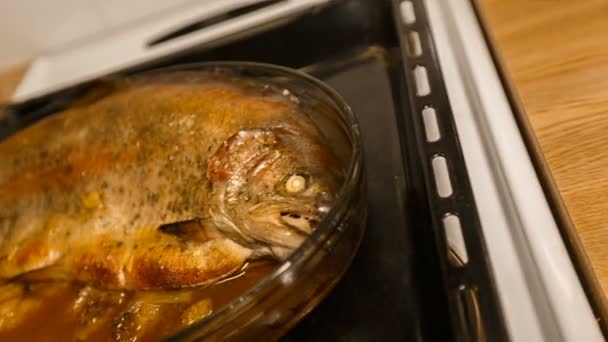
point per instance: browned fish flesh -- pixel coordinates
(162, 181)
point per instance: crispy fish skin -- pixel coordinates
(84, 192)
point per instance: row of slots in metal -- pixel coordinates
(473, 292)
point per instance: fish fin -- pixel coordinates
(174, 264)
(179, 255)
(53, 272)
(194, 230)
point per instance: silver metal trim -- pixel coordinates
(540, 293)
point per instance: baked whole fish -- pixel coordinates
(162, 181)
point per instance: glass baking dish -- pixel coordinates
(299, 283)
(281, 299)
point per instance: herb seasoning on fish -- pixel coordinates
(162, 182)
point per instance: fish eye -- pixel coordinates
(296, 183)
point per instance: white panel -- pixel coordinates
(455, 238)
(431, 127)
(442, 177)
(32, 27)
(407, 12)
(421, 77)
(129, 47)
(119, 12)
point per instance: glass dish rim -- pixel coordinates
(326, 228)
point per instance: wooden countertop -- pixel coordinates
(556, 53)
(9, 78)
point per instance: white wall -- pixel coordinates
(29, 27)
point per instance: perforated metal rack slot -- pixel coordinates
(447, 183)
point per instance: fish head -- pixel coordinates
(270, 188)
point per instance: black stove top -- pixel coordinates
(395, 288)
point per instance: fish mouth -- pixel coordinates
(301, 222)
(299, 217)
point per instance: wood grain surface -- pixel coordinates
(556, 54)
(9, 79)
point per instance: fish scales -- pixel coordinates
(84, 192)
